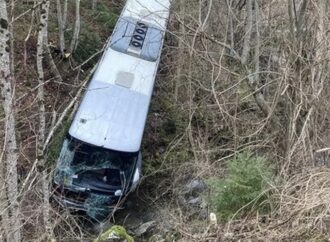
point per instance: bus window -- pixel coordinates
(138, 39)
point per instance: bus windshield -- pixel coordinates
(83, 163)
(83, 154)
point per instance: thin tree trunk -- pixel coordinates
(257, 42)
(41, 76)
(301, 17)
(181, 47)
(94, 3)
(76, 31)
(11, 31)
(253, 76)
(53, 66)
(48, 52)
(42, 39)
(207, 16)
(27, 38)
(65, 14)
(60, 26)
(10, 145)
(248, 32)
(320, 71)
(230, 35)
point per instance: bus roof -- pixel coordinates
(114, 109)
(152, 11)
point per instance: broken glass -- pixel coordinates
(103, 174)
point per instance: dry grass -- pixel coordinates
(301, 214)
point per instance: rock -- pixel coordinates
(203, 213)
(196, 206)
(191, 199)
(114, 233)
(195, 186)
(197, 201)
(156, 238)
(182, 200)
(162, 150)
(144, 228)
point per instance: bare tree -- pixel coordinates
(42, 39)
(230, 27)
(180, 62)
(248, 32)
(41, 76)
(252, 11)
(28, 37)
(295, 91)
(10, 145)
(61, 26)
(94, 3)
(76, 30)
(65, 14)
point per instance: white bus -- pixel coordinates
(100, 161)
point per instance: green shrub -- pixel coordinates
(246, 185)
(105, 16)
(89, 43)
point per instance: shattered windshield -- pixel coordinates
(93, 167)
(93, 156)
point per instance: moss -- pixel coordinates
(115, 232)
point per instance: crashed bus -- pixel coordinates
(100, 160)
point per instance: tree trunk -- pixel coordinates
(76, 31)
(60, 26)
(180, 63)
(41, 49)
(27, 38)
(65, 14)
(10, 145)
(248, 32)
(40, 56)
(230, 28)
(253, 75)
(52, 64)
(94, 3)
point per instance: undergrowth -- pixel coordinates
(54, 149)
(165, 123)
(93, 32)
(105, 17)
(89, 43)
